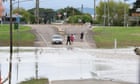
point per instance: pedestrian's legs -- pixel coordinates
(67, 42)
(70, 42)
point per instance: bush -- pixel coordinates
(76, 18)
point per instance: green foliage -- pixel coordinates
(104, 37)
(32, 19)
(23, 36)
(95, 22)
(76, 18)
(46, 15)
(86, 18)
(70, 11)
(116, 12)
(24, 13)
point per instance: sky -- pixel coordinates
(57, 4)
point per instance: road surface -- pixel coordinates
(45, 32)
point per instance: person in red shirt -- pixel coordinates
(72, 37)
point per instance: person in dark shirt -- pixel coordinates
(81, 35)
(68, 40)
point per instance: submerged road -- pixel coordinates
(73, 66)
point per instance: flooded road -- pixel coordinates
(70, 63)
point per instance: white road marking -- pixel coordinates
(42, 38)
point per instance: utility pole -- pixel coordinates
(108, 14)
(11, 44)
(82, 8)
(37, 11)
(94, 9)
(18, 5)
(104, 12)
(124, 13)
(125, 10)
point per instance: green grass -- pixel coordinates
(22, 37)
(104, 37)
(34, 81)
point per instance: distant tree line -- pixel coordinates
(107, 13)
(111, 13)
(117, 13)
(68, 14)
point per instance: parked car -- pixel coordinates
(57, 39)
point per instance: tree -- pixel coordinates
(68, 11)
(116, 12)
(46, 15)
(25, 15)
(80, 18)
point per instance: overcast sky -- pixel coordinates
(57, 4)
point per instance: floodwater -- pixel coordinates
(70, 63)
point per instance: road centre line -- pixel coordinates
(42, 38)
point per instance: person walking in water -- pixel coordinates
(68, 40)
(81, 35)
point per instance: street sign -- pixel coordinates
(17, 19)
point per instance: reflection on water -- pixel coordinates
(101, 67)
(65, 63)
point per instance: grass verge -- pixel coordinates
(22, 37)
(36, 81)
(104, 37)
